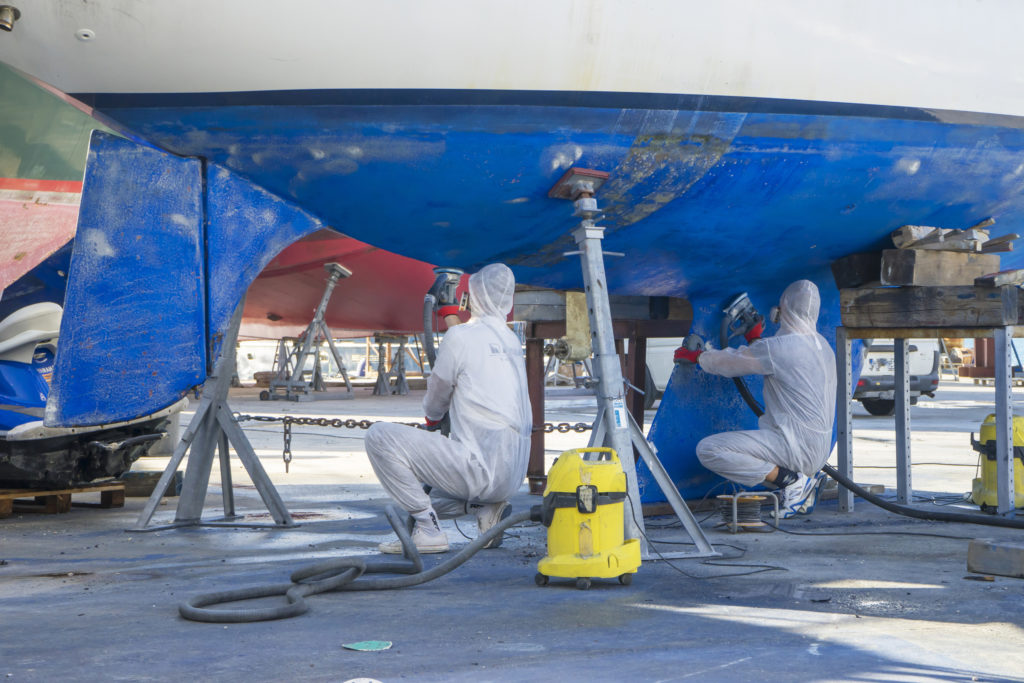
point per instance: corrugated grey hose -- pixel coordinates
(339, 575)
(429, 301)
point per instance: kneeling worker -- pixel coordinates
(479, 379)
(794, 436)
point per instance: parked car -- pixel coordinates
(876, 389)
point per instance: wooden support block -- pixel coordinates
(1003, 277)
(1001, 243)
(112, 499)
(141, 484)
(918, 307)
(916, 267)
(982, 224)
(1004, 558)
(908, 235)
(857, 270)
(55, 504)
(59, 501)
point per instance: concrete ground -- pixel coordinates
(866, 596)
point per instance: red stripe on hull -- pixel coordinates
(32, 185)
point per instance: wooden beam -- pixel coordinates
(908, 235)
(926, 332)
(1004, 558)
(1003, 277)
(857, 270)
(962, 306)
(915, 267)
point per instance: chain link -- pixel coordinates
(337, 423)
(287, 453)
(350, 423)
(564, 427)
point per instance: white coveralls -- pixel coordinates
(799, 371)
(479, 378)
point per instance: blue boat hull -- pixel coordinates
(703, 201)
(709, 198)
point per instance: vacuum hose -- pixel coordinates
(723, 339)
(429, 302)
(934, 516)
(341, 574)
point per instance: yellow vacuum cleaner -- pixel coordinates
(583, 511)
(983, 489)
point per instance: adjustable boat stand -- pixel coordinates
(614, 425)
(212, 429)
(292, 362)
(383, 385)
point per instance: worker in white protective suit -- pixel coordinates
(794, 436)
(479, 379)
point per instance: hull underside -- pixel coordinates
(764, 195)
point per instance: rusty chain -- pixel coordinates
(350, 423)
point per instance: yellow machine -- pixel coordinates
(583, 511)
(983, 489)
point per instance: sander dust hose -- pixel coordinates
(934, 516)
(429, 302)
(340, 575)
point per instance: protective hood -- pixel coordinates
(490, 291)
(798, 308)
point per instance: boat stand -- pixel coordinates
(213, 429)
(383, 385)
(614, 426)
(292, 353)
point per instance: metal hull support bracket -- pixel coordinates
(212, 431)
(290, 383)
(614, 426)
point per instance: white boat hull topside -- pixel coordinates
(957, 55)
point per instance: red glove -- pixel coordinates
(755, 332)
(431, 423)
(451, 309)
(685, 355)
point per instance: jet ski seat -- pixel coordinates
(23, 330)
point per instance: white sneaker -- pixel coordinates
(489, 515)
(800, 497)
(425, 542)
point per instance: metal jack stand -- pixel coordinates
(383, 385)
(291, 362)
(614, 425)
(212, 429)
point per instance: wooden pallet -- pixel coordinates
(58, 501)
(991, 382)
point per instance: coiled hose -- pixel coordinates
(341, 575)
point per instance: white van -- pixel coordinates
(876, 389)
(660, 362)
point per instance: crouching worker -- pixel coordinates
(794, 436)
(479, 380)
